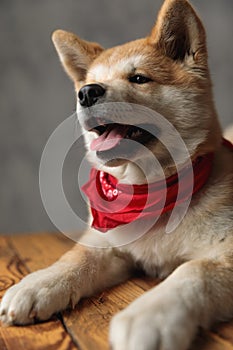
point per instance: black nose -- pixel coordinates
(89, 94)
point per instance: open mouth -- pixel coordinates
(112, 138)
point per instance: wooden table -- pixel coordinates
(86, 327)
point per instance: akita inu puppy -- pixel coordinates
(166, 72)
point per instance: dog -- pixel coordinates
(167, 73)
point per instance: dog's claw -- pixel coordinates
(2, 312)
(32, 314)
(12, 315)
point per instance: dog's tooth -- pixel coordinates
(101, 121)
(135, 133)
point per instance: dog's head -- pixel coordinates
(166, 72)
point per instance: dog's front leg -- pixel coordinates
(168, 316)
(79, 273)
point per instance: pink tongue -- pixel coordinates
(110, 138)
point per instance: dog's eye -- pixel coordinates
(139, 79)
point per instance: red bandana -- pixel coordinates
(114, 204)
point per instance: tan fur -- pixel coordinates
(197, 257)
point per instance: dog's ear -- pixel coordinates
(179, 33)
(75, 54)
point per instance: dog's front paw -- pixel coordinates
(157, 325)
(37, 297)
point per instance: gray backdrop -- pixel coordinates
(36, 95)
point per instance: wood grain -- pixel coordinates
(20, 255)
(41, 250)
(46, 336)
(86, 327)
(89, 322)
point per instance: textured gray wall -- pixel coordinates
(36, 95)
